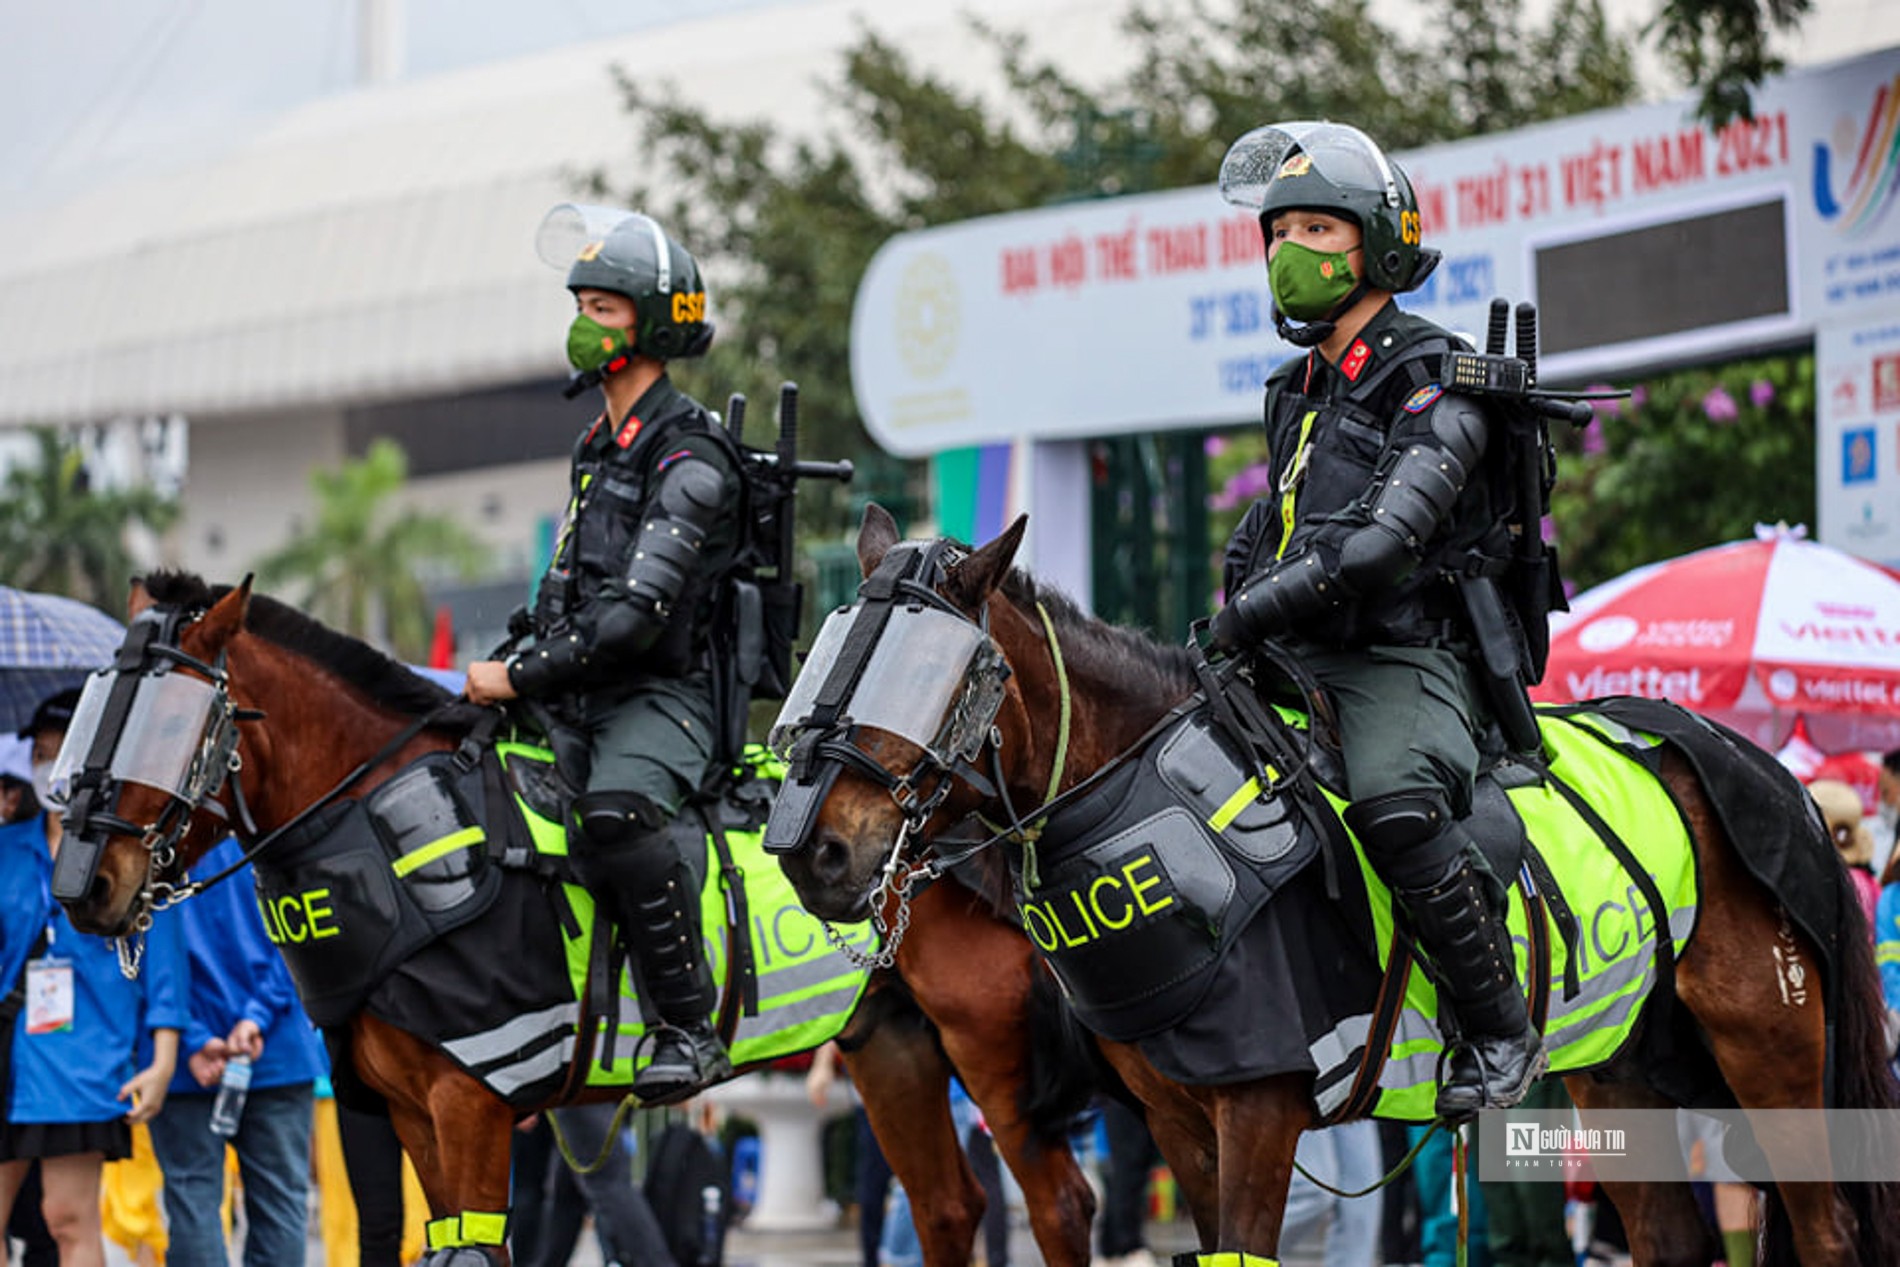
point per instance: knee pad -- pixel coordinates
(1411, 838)
(1398, 821)
(616, 820)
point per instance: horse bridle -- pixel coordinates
(826, 741)
(150, 652)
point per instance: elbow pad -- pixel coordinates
(1414, 497)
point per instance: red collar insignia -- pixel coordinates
(629, 431)
(1356, 357)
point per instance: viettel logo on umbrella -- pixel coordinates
(1867, 156)
(1612, 633)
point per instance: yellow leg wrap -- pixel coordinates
(443, 1233)
(484, 1229)
(1234, 1258)
(471, 1227)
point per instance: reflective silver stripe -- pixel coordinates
(1334, 1096)
(1333, 1048)
(508, 1038)
(509, 1079)
(1418, 1069)
(802, 976)
(817, 1007)
(1607, 980)
(1616, 731)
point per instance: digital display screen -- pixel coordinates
(1707, 270)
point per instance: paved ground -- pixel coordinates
(839, 1248)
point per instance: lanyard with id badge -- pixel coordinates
(49, 992)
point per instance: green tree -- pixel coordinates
(59, 534)
(363, 558)
(1692, 459)
(1721, 47)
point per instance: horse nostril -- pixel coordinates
(831, 861)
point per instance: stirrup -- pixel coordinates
(1460, 1101)
(661, 1084)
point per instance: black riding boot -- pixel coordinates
(657, 905)
(1457, 910)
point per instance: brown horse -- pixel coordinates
(1076, 695)
(303, 713)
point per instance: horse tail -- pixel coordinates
(1863, 1079)
(1065, 1067)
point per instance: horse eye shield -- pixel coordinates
(160, 742)
(931, 677)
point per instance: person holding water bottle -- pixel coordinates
(248, 1080)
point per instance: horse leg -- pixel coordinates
(972, 975)
(1752, 980)
(457, 1132)
(1181, 1119)
(1665, 1226)
(903, 1081)
(1259, 1125)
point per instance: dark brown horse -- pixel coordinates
(1098, 690)
(308, 707)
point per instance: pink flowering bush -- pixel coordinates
(1692, 458)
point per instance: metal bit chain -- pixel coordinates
(890, 936)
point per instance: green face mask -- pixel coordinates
(1307, 284)
(591, 345)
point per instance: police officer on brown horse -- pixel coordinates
(622, 619)
(1354, 561)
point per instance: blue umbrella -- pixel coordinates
(47, 643)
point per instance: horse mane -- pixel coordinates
(388, 682)
(1142, 667)
(1145, 671)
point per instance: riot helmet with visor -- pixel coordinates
(1335, 168)
(628, 253)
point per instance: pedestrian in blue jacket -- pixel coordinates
(242, 1003)
(75, 1088)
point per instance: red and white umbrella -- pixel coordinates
(1756, 634)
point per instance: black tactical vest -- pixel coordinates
(1346, 447)
(612, 484)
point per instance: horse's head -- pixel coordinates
(151, 744)
(901, 697)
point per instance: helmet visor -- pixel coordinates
(569, 227)
(1268, 163)
(574, 234)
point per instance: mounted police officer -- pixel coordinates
(1354, 561)
(622, 619)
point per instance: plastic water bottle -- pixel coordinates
(710, 1229)
(228, 1109)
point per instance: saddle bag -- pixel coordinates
(1148, 879)
(365, 884)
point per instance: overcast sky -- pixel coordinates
(116, 84)
(91, 91)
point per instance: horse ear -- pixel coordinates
(876, 535)
(137, 598)
(980, 572)
(226, 617)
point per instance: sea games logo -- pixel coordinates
(1863, 162)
